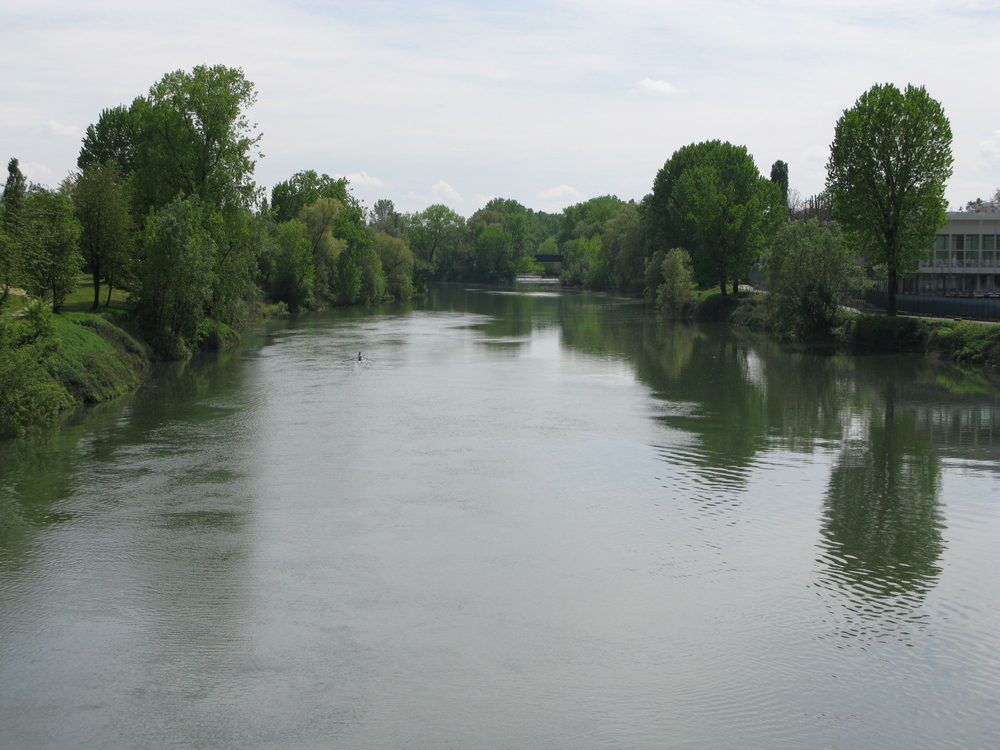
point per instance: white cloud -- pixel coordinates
(990, 149)
(59, 129)
(656, 87)
(556, 199)
(442, 191)
(363, 180)
(39, 173)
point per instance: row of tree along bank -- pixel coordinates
(163, 205)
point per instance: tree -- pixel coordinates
(176, 276)
(678, 277)
(493, 255)
(397, 264)
(889, 161)
(193, 138)
(810, 270)
(288, 198)
(434, 234)
(9, 263)
(50, 240)
(14, 190)
(114, 138)
(292, 270)
(318, 221)
(718, 207)
(779, 176)
(385, 218)
(623, 249)
(102, 201)
(189, 137)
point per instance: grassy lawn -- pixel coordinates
(80, 299)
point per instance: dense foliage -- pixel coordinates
(889, 161)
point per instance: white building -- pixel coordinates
(965, 261)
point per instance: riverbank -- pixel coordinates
(963, 342)
(51, 363)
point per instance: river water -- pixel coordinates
(526, 519)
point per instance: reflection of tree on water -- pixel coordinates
(882, 527)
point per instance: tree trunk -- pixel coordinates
(722, 284)
(97, 291)
(890, 307)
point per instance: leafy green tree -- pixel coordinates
(292, 270)
(176, 276)
(50, 240)
(9, 263)
(889, 161)
(194, 138)
(396, 260)
(385, 218)
(718, 207)
(288, 198)
(11, 251)
(582, 263)
(113, 138)
(14, 190)
(653, 276)
(102, 202)
(623, 249)
(436, 236)
(319, 220)
(587, 218)
(499, 234)
(779, 176)
(678, 277)
(493, 254)
(810, 271)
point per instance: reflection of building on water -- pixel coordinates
(971, 422)
(952, 425)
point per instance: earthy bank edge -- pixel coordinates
(960, 341)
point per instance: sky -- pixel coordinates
(548, 102)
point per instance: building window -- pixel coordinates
(989, 241)
(941, 242)
(958, 242)
(941, 257)
(972, 242)
(972, 257)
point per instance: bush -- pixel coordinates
(967, 343)
(29, 395)
(880, 334)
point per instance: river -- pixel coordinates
(528, 518)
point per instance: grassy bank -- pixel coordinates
(52, 363)
(960, 341)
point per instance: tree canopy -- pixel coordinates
(710, 199)
(889, 161)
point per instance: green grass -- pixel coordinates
(51, 363)
(80, 299)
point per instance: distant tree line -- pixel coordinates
(163, 205)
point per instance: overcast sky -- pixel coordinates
(548, 102)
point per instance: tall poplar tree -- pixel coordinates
(889, 161)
